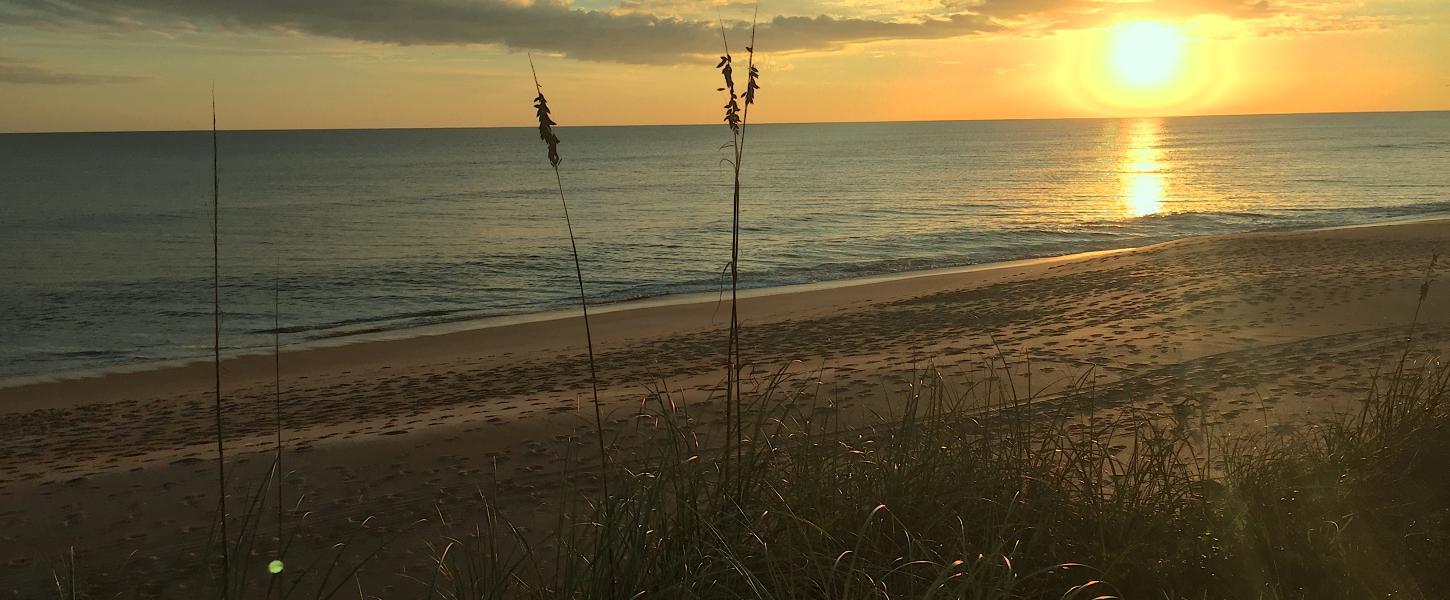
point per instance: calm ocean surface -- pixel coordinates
(105, 238)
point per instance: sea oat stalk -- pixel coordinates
(546, 133)
(736, 117)
(276, 565)
(216, 330)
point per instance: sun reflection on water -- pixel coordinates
(1144, 174)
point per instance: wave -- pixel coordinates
(988, 246)
(1296, 216)
(330, 325)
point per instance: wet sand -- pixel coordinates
(1253, 330)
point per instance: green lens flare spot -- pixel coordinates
(274, 567)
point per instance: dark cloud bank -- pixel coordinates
(628, 36)
(550, 27)
(13, 71)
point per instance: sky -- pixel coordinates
(124, 65)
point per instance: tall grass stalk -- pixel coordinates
(546, 133)
(281, 473)
(737, 118)
(216, 315)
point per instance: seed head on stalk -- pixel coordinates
(546, 124)
(546, 133)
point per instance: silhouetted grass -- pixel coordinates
(736, 118)
(982, 493)
(966, 491)
(546, 133)
(221, 462)
(1017, 499)
(278, 565)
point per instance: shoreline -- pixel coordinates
(646, 303)
(499, 321)
(522, 331)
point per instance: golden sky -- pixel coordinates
(81, 65)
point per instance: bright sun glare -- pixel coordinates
(1146, 54)
(1145, 67)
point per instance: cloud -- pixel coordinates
(1013, 8)
(1014, 69)
(1265, 17)
(672, 31)
(550, 26)
(1016, 9)
(16, 72)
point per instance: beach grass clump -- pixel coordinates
(275, 570)
(1354, 508)
(978, 493)
(950, 491)
(974, 491)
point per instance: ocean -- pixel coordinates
(105, 238)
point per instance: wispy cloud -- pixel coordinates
(16, 72)
(1014, 68)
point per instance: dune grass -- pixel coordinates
(1015, 498)
(949, 491)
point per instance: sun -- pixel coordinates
(1145, 67)
(1145, 54)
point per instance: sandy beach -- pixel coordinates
(1271, 329)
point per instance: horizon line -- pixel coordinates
(862, 122)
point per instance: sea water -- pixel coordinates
(106, 246)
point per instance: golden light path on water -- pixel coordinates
(1143, 171)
